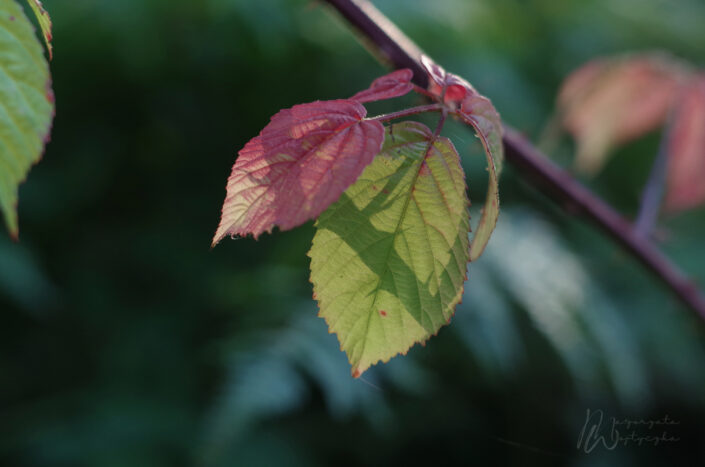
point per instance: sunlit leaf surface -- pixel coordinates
(389, 259)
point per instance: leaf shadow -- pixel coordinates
(418, 289)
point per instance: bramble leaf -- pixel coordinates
(608, 102)
(389, 259)
(299, 164)
(303, 160)
(478, 111)
(686, 149)
(44, 23)
(395, 84)
(26, 105)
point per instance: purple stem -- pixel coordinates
(401, 52)
(441, 122)
(408, 112)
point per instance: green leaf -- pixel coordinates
(26, 104)
(44, 22)
(479, 112)
(389, 258)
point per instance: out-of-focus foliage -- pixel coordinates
(126, 341)
(686, 169)
(609, 102)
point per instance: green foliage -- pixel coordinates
(389, 258)
(26, 103)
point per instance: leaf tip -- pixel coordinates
(394, 84)
(11, 221)
(14, 232)
(218, 236)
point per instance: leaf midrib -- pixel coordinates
(432, 141)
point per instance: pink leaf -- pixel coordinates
(395, 84)
(300, 163)
(303, 161)
(686, 170)
(613, 101)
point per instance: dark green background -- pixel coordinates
(126, 341)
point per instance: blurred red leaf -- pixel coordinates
(686, 163)
(612, 101)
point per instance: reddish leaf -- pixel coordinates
(686, 171)
(298, 165)
(478, 111)
(610, 102)
(303, 161)
(395, 84)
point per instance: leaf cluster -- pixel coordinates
(389, 257)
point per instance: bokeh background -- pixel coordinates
(125, 340)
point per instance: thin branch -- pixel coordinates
(394, 45)
(408, 112)
(401, 52)
(424, 92)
